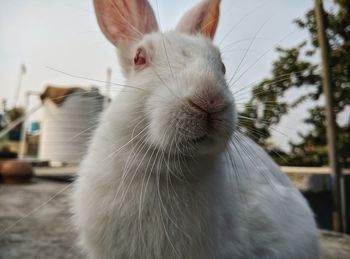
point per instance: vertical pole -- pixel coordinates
(330, 117)
(22, 143)
(19, 85)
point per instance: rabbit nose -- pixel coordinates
(210, 106)
(196, 106)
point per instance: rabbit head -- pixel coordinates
(178, 76)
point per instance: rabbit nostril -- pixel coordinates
(209, 106)
(196, 106)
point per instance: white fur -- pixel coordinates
(159, 202)
(145, 190)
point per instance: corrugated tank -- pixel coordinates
(69, 120)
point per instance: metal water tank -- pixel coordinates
(67, 125)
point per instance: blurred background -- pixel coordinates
(58, 72)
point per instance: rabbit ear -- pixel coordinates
(125, 21)
(203, 18)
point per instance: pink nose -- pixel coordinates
(209, 105)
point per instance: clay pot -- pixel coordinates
(16, 171)
(1, 162)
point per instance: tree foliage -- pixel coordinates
(297, 68)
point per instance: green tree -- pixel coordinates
(296, 68)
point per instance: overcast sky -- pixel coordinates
(64, 35)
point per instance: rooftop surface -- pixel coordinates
(35, 224)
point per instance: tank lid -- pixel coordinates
(59, 94)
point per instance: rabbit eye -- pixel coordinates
(223, 68)
(140, 57)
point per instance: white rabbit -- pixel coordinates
(167, 175)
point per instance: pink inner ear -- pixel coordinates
(125, 21)
(191, 21)
(202, 18)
